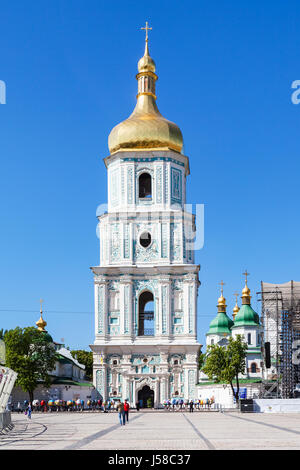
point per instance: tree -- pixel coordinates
(2, 333)
(201, 360)
(30, 353)
(85, 358)
(225, 363)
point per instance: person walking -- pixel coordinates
(29, 410)
(191, 406)
(126, 410)
(137, 405)
(120, 410)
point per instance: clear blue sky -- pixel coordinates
(225, 71)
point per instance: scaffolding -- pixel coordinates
(280, 319)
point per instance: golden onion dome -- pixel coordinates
(145, 128)
(221, 300)
(146, 63)
(236, 310)
(246, 297)
(41, 323)
(246, 291)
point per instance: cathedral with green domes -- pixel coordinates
(244, 322)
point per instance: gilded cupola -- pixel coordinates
(146, 128)
(41, 323)
(236, 308)
(246, 297)
(222, 301)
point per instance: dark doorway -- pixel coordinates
(146, 397)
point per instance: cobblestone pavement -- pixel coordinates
(154, 431)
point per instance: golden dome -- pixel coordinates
(146, 63)
(41, 323)
(236, 310)
(245, 291)
(145, 128)
(221, 300)
(246, 297)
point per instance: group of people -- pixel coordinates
(122, 408)
(45, 406)
(180, 404)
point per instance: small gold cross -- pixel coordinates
(236, 294)
(222, 284)
(41, 302)
(246, 274)
(147, 29)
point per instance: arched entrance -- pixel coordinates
(146, 397)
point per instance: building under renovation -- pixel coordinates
(281, 335)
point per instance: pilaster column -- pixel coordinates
(156, 394)
(124, 387)
(100, 375)
(133, 398)
(126, 300)
(186, 307)
(101, 307)
(165, 306)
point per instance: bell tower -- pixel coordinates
(146, 285)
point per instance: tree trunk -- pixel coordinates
(235, 394)
(30, 396)
(237, 388)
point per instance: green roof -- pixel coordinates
(221, 325)
(246, 317)
(47, 337)
(68, 381)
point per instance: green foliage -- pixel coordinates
(201, 360)
(85, 358)
(149, 402)
(31, 355)
(224, 364)
(2, 333)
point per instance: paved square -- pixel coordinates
(154, 431)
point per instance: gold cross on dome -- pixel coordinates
(41, 302)
(246, 274)
(222, 284)
(236, 294)
(146, 28)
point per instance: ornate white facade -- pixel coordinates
(146, 258)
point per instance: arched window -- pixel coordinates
(146, 314)
(212, 342)
(249, 338)
(145, 186)
(253, 368)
